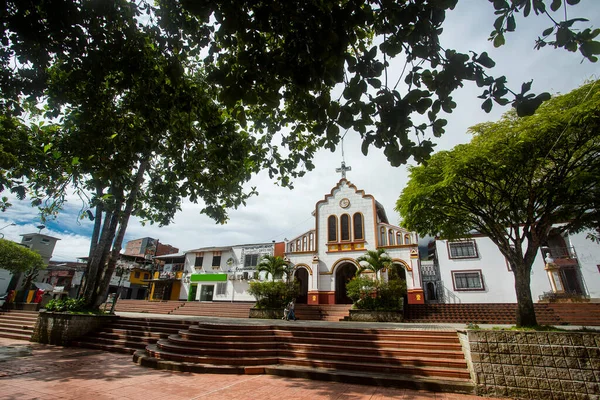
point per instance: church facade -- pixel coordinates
(348, 222)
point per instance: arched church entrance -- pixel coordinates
(343, 274)
(397, 271)
(301, 276)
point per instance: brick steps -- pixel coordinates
(126, 335)
(320, 351)
(326, 312)
(144, 306)
(17, 324)
(217, 309)
(587, 314)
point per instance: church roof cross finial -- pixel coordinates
(343, 168)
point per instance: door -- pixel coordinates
(206, 292)
(344, 273)
(302, 279)
(192, 293)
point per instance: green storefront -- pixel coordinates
(207, 283)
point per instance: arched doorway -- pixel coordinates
(397, 272)
(301, 276)
(343, 274)
(431, 292)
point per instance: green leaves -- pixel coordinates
(16, 258)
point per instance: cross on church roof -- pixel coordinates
(343, 169)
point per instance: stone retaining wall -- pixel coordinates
(59, 328)
(534, 365)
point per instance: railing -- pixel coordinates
(559, 252)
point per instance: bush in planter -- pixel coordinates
(273, 295)
(66, 305)
(368, 294)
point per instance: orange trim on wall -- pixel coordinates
(341, 261)
(305, 266)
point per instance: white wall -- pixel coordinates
(499, 281)
(588, 256)
(5, 277)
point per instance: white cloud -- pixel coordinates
(277, 212)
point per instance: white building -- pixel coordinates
(223, 273)
(474, 271)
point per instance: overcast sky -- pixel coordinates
(279, 213)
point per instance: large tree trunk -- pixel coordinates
(124, 216)
(525, 310)
(98, 260)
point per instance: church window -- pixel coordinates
(407, 239)
(298, 245)
(345, 226)
(292, 247)
(382, 237)
(304, 243)
(311, 241)
(462, 249)
(398, 238)
(391, 237)
(467, 280)
(358, 226)
(332, 228)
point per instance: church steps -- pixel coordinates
(377, 348)
(195, 338)
(382, 380)
(327, 333)
(339, 354)
(325, 351)
(248, 361)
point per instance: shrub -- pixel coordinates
(274, 295)
(367, 294)
(66, 305)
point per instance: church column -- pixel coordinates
(313, 290)
(416, 295)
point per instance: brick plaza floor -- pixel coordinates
(35, 371)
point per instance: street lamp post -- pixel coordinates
(122, 270)
(5, 226)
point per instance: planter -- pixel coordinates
(376, 316)
(266, 313)
(60, 328)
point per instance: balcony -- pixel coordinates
(561, 256)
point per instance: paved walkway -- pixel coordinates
(35, 371)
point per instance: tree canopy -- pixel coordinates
(275, 266)
(375, 261)
(136, 105)
(516, 179)
(16, 258)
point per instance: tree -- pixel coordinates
(275, 266)
(137, 104)
(513, 182)
(375, 261)
(17, 259)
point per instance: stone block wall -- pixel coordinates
(61, 328)
(534, 365)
